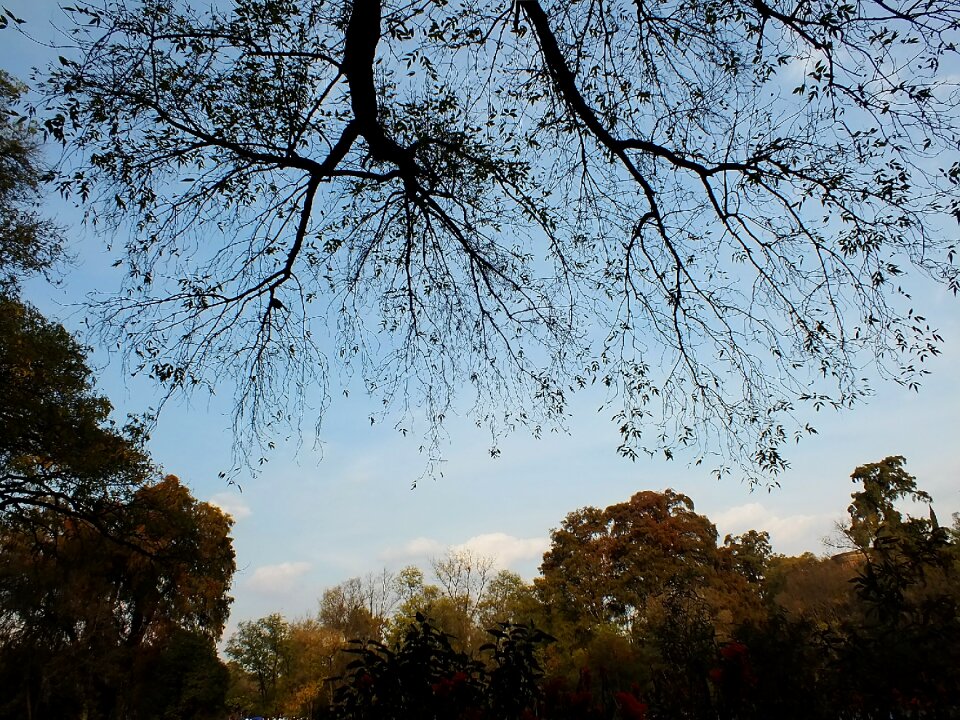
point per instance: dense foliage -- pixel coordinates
(425, 677)
(113, 579)
(28, 242)
(639, 613)
(59, 448)
(120, 625)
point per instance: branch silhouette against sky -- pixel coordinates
(482, 208)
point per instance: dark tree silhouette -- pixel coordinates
(28, 243)
(59, 450)
(91, 625)
(704, 206)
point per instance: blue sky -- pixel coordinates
(318, 515)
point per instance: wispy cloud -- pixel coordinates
(277, 579)
(505, 550)
(416, 548)
(232, 504)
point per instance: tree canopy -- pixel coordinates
(28, 242)
(608, 564)
(118, 624)
(638, 614)
(113, 582)
(58, 447)
(703, 206)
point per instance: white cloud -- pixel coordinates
(505, 550)
(418, 547)
(788, 534)
(277, 579)
(232, 504)
(740, 517)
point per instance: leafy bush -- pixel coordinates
(423, 677)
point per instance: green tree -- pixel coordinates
(315, 658)
(359, 608)
(873, 510)
(28, 243)
(113, 584)
(424, 676)
(58, 447)
(507, 599)
(181, 678)
(409, 582)
(459, 603)
(417, 597)
(750, 553)
(903, 652)
(463, 578)
(703, 205)
(261, 648)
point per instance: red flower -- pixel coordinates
(736, 671)
(733, 650)
(580, 699)
(631, 708)
(446, 686)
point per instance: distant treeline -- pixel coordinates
(638, 612)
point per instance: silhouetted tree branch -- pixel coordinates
(703, 206)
